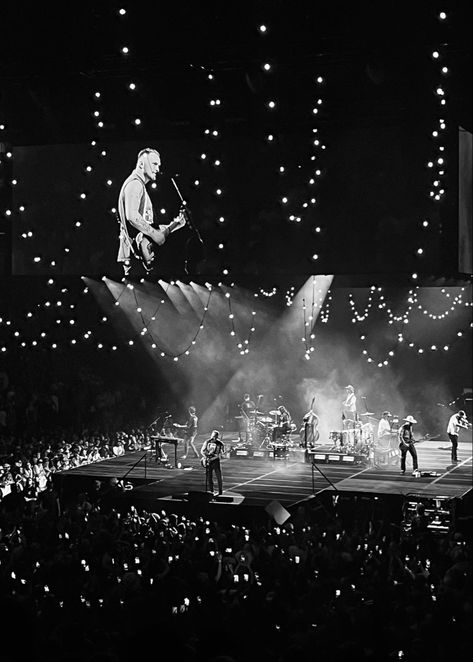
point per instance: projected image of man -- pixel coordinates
(139, 238)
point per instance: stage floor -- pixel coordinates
(256, 482)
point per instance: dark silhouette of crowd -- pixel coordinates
(27, 463)
(86, 576)
(91, 578)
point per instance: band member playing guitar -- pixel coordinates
(190, 433)
(309, 433)
(138, 235)
(406, 444)
(211, 452)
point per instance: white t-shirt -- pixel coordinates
(453, 426)
(383, 427)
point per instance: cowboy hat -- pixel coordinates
(410, 419)
(350, 387)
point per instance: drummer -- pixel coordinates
(283, 423)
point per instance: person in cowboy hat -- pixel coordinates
(406, 444)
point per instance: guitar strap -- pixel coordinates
(122, 219)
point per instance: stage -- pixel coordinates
(252, 483)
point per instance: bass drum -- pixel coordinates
(335, 436)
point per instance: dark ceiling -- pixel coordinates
(374, 55)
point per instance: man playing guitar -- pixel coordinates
(406, 444)
(138, 235)
(211, 452)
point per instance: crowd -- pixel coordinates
(28, 462)
(90, 579)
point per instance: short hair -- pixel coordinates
(192, 410)
(147, 150)
(461, 413)
(215, 432)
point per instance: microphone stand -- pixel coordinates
(323, 476)
(190, 223)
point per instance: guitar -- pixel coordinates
(208, 459)
(405, 445)
(146, 245)
(205, 461)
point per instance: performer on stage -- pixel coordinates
(190, 433)
(456, 422)
(309, 432)
(406, 444)
(384, 427)
(349, 407)
(284, 419)
(211, 452)
(247, 408)
(138, 235)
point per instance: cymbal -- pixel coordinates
(274, 412)
(266, 419)
(255, 411)
(367, 413)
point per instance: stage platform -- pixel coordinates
(251, 483)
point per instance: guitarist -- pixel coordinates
(211, 452)
(138, 235)
(406, 444)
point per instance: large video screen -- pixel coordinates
(252, 207)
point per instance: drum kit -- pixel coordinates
(356, 437)
(265, 429)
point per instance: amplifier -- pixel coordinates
(261, 453)
(333, 457)
(439, 512)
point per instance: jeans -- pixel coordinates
(214, 468)
(454, 440)
(412, 450)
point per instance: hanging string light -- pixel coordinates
(361, 317)
(309, 319)
(157, 345)
(289, 296)
(438, 161)
(406, 342)
(267, 293)
(243, 345)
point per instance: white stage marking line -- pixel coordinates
(330, 486)
(257, 478)
(452, 469)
